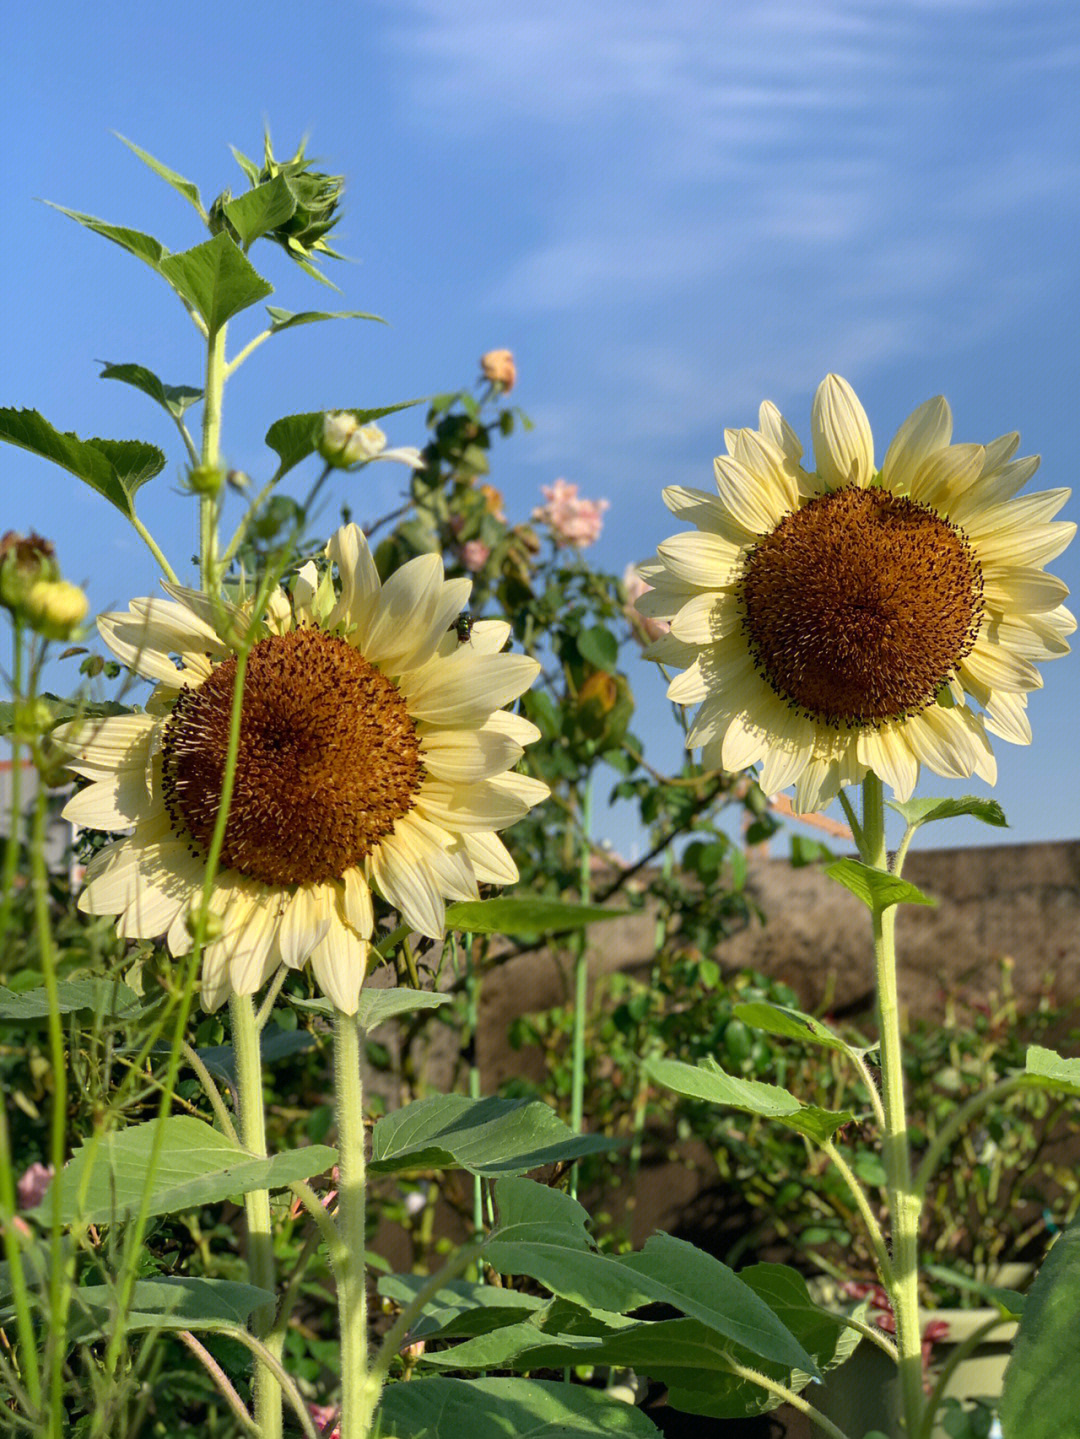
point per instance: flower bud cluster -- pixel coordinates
(31, 587)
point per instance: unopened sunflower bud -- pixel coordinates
(367, 442)
(205, 479)
(498, 368)
(209, 925)
(25, 560)
(338, 428)
(55, 609)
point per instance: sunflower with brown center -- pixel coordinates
(374, 753)
(850, 619)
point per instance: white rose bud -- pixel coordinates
(366, 442)
(338, 428)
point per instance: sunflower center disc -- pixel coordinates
(328, 760)
(858, 606)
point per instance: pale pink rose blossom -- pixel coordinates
(572, 521)
(635, 588)
(475, 555)
(498, 367)
(30, 1190)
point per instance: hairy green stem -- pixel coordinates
(210, 456)
(154, 548)
(754, 1376)
(904, 1203)
(359, 1388)
(873, 1228)
(957, 1121)
(581, 983)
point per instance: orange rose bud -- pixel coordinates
(498, 367)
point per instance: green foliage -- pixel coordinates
(877, 888)
(1040, 1391)
(115, 468)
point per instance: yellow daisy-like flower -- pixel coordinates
(854, 619)
(374, 753)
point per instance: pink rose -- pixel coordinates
(642, 625)
(30, 1190)
(475, 555)
(498, 368)
(572, 521)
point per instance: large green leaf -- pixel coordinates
(877, 888)
(294, 437)
(505, 1409)
(165, 1304)
(377, 1006)
(143, 247)
(286, 319)
(106, 998)
(264, 208)
(195, 1165)
(923, 811)
(216, 279)
(1039, 1398)
(1046, 1069)
(187, 188)
(460, 1309)
(525, 915)
(115, 468)
(709, 1082)
(489, 1137)
(173, 398)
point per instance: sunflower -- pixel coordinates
(850, 619)
(374, 755)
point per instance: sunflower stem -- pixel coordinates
(904, 1203)
(359, 1388)
(581, 982)
(260, 1235)
(210, 457)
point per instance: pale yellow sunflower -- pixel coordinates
(851, 619)
(375, 753)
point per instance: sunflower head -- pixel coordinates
(848, 618)
(374, 756)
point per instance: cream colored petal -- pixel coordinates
(1055, 624)
(1023, 636)
(216, 615)
(690, 687)
(446, 606)
(1006, 716)
(888, 754)
(401, 621)
(214, 988)
(928, 429)
(442, 854)
(789, 751)
(305, 587)
(757, 503)
(464, 755)
(488, 637)
(254, 954)
(486, 804)
(843, 441)
(667, 650)
(706, 618)
(1033, 545)
(1020, 590)
(163, 888)
(700, 559)
(989, 521)
(356, 903)
(776, 429)
(942, 742)
(661, 604)
(279, 615)
(998, 669)
(1001, 450)
(130, 869)
(178, 939)
(140, 648)
(745, 743)
(817, 786)
(944, 476)
(514, 726)
(100, 746)
(339, 963)
(304, 923)
(114, 803)
(462, 691)
(408, 884)
(700, 508)
(177, 627)
(491, 860)
(759, 456)
(348, 549)
(995, 485)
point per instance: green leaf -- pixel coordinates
(104, 1182)
(709, 1082)
(294, 437)
(922, 811)
(703, 1288)
(877, 888)
(274, 1044)
(285, 319)
(460, 1309)
(504, 1408)
(143, 247)
(105, 998)
(216, 279)
(516, 914)
(600, 647)
(488, 1137)
(1049, 1070)
(164, 1304)
(63, 710)
(173, 398)
(791, 1024)
(115, 468)
(1039, 1398)
(186, 188)
(264, 208)
(379, 1005)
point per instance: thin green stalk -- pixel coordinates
(210, 456)
(873, 1228)
(155, 550)
(210, 1089)
(472, 1027)
(260, 1235)
(961, 1352)
(15, 821)
(754, 1376)
(359, 1388)
(957, 1121)
(395, 1336)
(581, 983)
(221, 1381)
(904, 1204)
(252, 345)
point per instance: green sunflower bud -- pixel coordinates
(25, 560)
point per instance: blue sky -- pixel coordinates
(668, 214)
